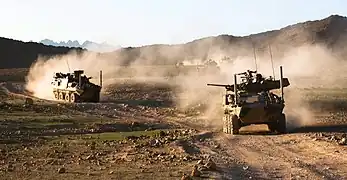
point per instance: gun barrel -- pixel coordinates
(220, 85)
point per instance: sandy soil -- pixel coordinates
(137, 133)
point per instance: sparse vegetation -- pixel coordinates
(132, 139)
(140, 131)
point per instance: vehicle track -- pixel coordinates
(256, 156)
(291, 156)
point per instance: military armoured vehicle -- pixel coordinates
(209, 67)
(75, 87)
(252, 102)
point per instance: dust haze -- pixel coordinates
(308, 66)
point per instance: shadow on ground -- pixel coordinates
(259, 133)
(148, 103)
(259, 129)
(340, 128)
(30, 131)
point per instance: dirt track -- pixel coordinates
(287, 157)
(32, 148)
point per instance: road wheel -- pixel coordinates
(56, 95)
(74, 97)
(231, 124)
(281, 125)
(272, 125)
(67, 98)
(235, 125)
(97, 98)
(61, 96)
(226, 124)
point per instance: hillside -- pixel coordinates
(331, 31)
(18, 54)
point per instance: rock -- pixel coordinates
(162, 134)
(90, 157)
(184, 132)
(185, 177)
(343, 141)
(134, 124)
(92, 146)
(185, 158)
(29, 101)
(320, 135)
(9, 168)
(149, 129)
(211, 165)
(202, 168)
(172, 157)
(195, 172)
(154, 142)
(61, 170)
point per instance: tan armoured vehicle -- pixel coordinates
(252, 102)
(75, 87)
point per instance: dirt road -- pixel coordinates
(293, 156)
(305, 153)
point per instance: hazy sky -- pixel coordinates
(141, 22)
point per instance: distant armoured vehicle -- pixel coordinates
(209, 67)
(251, 102)
(75, 87)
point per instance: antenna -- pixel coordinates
(272, 64)
(67, 62)
(255, 57)
(100, 78)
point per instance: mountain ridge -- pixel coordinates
(20, 54)
(90, 45)
(330, 32)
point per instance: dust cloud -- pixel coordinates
(306, 67)
(41, 72)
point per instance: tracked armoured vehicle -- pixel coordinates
(252, 102)
(75, 87)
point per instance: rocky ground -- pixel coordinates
(136, 132)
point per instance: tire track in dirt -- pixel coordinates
(286, 156)
(227, 167)
(292, 156)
